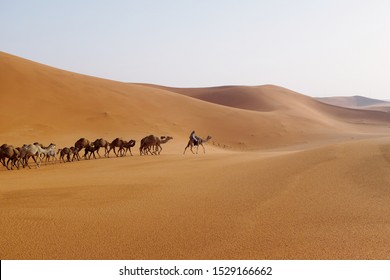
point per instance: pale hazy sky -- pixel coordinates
(318, 48)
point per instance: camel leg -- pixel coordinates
(35, 160)
(204, 151)
(130, 152)
(26, 158)
(9, 159)
(3, 161)
(13, 163)
(92, 153)
(24, 161)
(16, 162)
(76, 155)
(153, 149)
(143, 150)
(158, 148)
(115, 152)
(38, 161)
(191, 148)
(189, 143)
(97, 151)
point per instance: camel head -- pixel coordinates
(131, 143)
(165, 139)
(51, 146)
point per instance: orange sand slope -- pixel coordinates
(287, 177)
(41, 103)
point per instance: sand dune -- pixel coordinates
(286, 176)
(58, 106)
(271, 98)
(353, 101)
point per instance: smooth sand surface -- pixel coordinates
(289, 178)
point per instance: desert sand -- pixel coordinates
(284, 176)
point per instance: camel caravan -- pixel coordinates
(12, 157)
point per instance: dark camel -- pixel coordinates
(191, 144)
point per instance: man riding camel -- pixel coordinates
(194, 138)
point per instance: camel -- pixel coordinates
(101, 143)
(90, 149)
(117, 142)
(151, 141)
(65, 152)
(191, 144)
(162, 140)
(7, 151)
(49, 152)
(2, 156)
(42, 156)
(126, 147)
(149, 145)
(31, 150)
(80, 144)
(146, 143)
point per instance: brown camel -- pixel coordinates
(80, 144)
(126, 147)
(191, 144)
(101, 143)
(7, 151)
(65, 152)
(2, 156)
(91, 150)
(152, 144)
(116, 143)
